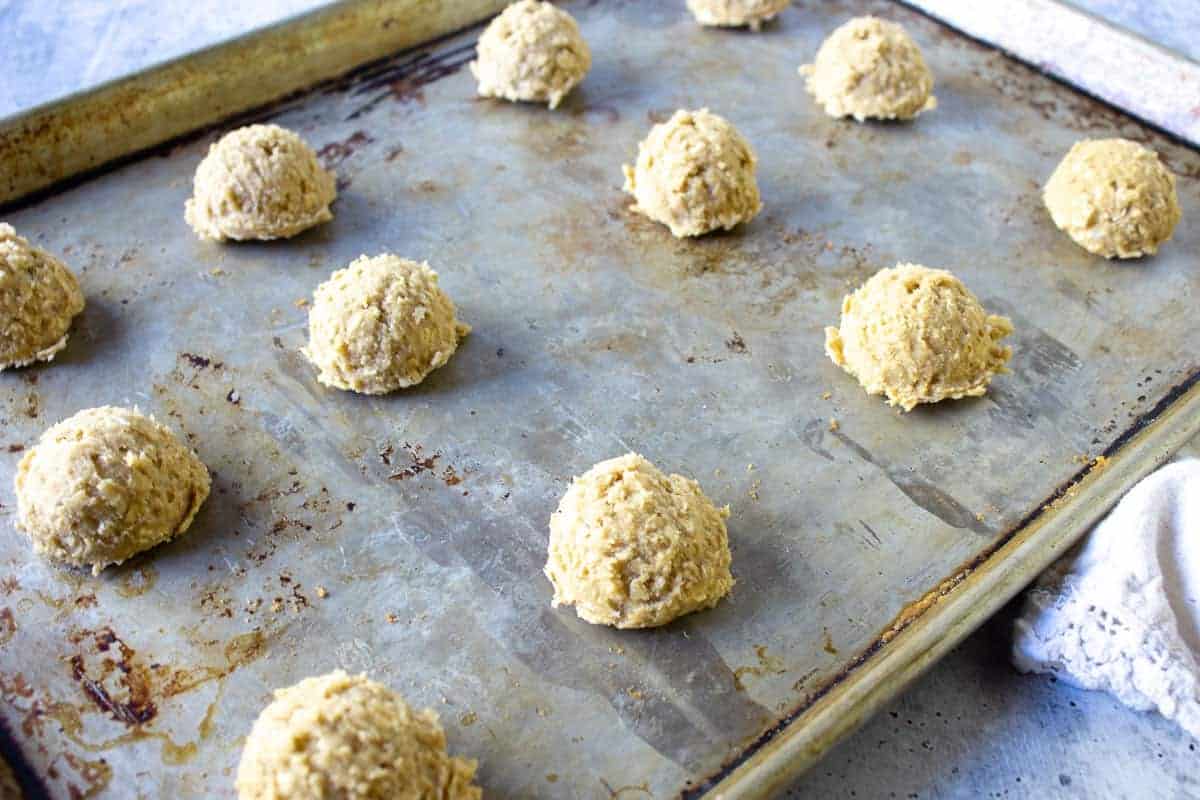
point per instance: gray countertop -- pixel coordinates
(971, 727)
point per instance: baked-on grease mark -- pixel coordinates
(334, 153)
(928, 497)
(404, 80)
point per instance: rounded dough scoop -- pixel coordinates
(870, 68)
(381, 324)
(633, 547)
(39, 298)
(344, 736)
(259, 182)
(1114, 198)
(736, 13)
(918, 335)
(106, 484)
(695, 174)
(531, 52)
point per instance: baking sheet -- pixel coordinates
(423, 514)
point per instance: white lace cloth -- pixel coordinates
(1122, 613)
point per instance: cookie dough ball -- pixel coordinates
(106, 484)
(381, 324)
(870, 69)
(632, 547)
(259, 182)
(918, 335)
(39, 297)
(1114, 198)
(531, 52)
(736, 13)
(345, 737)
(694, 173)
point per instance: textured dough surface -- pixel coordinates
(105, 484)
(259, 182)
(870, 68)
(531, 52)
(381, 324)
(918, 335)
(736, 13)
(39, 297)
(694, 173)
(345, 737)
(633, 547)
(1114, 198)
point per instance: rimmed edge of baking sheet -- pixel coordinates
(1141, 78)
(917, 639)
(119, 120)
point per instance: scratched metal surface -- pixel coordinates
(423, 515)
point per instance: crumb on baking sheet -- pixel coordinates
(834, 425)
(322, 592)
(826, 395)
(392, 619)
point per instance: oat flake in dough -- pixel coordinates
(259, 182)
(736, 13)
(870, 68)
(1114, 198)
(633, 547)
(39, 297)
(918, 335)
(106, 484)
(694, 173)
(531, 52)
(346, 737)
(381, 324)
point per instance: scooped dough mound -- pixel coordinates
(870, 69)
(1114, 198)
(39, 297)
(918, 335)
(531, 52)
(736, 13)
(694, 173)
(106, 484)
(259, 182)
(381, 324)
(633, 547)
(344, 737)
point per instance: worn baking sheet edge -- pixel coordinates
(1147, 81)
(84, 132)
(929, 628)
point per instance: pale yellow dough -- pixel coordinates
(695, 174)
(870, 68)
(39, 297)
(1114, 198)
(633, 547)
(259, 182)
(531, 52)
(381, 324)
(918, 335)
(105, 484)
(736, 13)
(344, 737)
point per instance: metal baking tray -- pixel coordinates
(862, 553)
